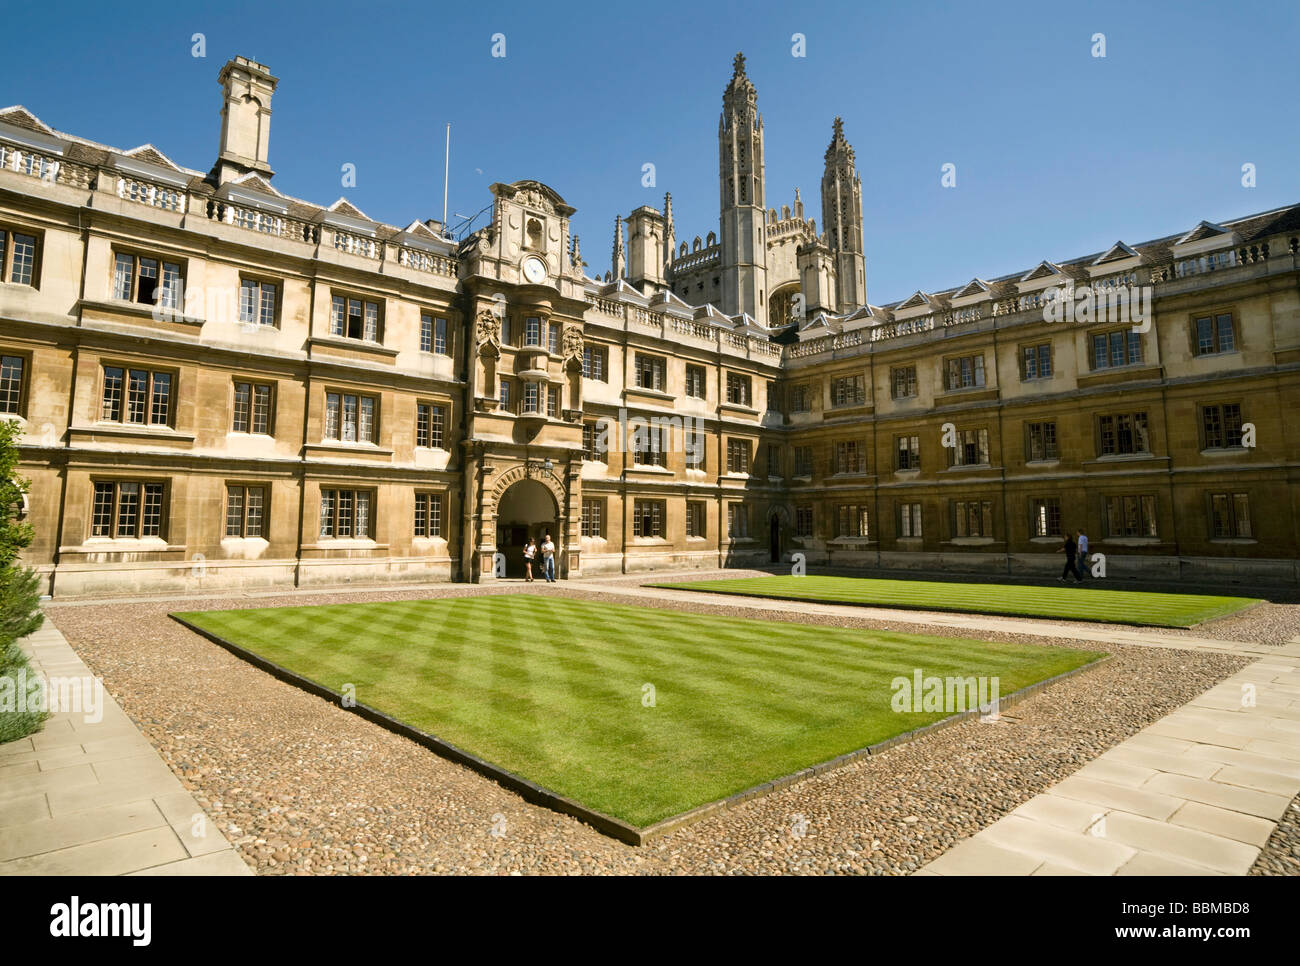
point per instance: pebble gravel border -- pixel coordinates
(301, 787)
(1281, 855)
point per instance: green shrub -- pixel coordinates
(20, 596)
(16, 723)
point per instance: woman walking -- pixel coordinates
(530, 551)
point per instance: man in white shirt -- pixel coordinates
(1082, 564)
(548, 558)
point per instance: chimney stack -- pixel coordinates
(245, 119)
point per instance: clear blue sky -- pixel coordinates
(1058, 153)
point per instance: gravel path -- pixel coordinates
(303, 787)
(1281, 856)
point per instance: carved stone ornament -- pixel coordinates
(532, 198)
(572, 342)
(488, 327)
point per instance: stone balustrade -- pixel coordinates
(152, 194)
(695, 329)
(48, 169)
(610, 307)
(262, 222)
(430, 262)
(357, 244)
(646, 319)
(666, 327)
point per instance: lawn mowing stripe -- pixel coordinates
(550, 689)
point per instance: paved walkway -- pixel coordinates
(1197, 793)
(84, 797)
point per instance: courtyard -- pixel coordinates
(550, 683)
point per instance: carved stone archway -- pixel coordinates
(529, 471)
(502, 481)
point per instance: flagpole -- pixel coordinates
(446, 171)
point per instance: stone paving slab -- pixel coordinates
(1198, 792)
(1221, 821)
(90, 795)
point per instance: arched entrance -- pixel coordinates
(527, 509)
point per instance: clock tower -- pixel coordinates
(523, 442)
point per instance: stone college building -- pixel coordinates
(221, 386)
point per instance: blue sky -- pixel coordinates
(1057, 153)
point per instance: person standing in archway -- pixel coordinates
(530, 551)
(548, 558)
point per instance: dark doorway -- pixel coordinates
(774, 540)
(527, 509)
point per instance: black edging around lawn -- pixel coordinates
(606, 824)
(992, 612)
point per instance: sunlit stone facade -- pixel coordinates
(222, 386)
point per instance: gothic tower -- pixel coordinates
(740, 163)
(670, 234)
(620, 257)
(842, 221)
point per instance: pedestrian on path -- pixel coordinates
(530, 551)
(1081, 540)
(548, 558)
(1069, 548)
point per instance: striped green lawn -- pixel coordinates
(554, 690)
(1068, 601)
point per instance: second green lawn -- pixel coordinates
(637, 712)
(1068, 601)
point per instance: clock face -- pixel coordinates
(534, 269)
